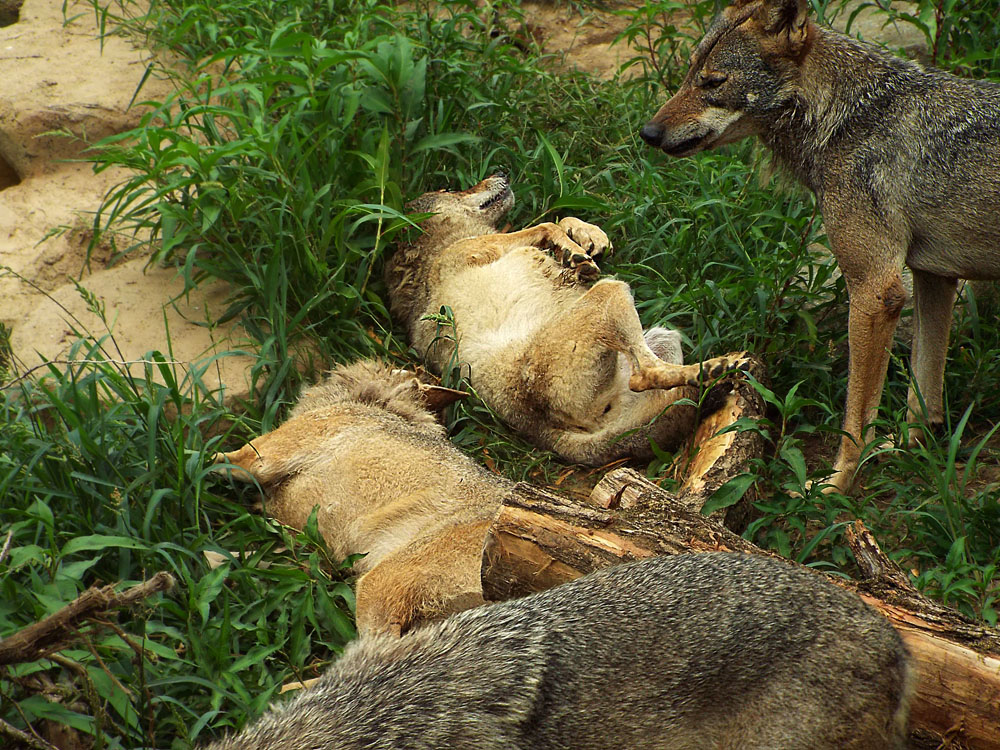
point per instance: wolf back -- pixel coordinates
(692, 651)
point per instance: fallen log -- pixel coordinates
(714, 454)
(539, 539)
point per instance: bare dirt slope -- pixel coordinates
(58, 78)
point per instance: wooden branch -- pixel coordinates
(55, 631)
(539, 540)
(958, 669)
(27, 740)
(712, 459)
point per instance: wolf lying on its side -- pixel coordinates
(364, 447)
(556, 358)
(904, 162)
(714, 650)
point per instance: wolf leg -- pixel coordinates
(933, 300)
(575, 365)
(435, 577)
(873, 314)
(608, 311)
(572, 242)
(606, 315)
(666, 375)
(588, 236)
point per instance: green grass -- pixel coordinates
(281, 162)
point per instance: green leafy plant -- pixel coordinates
(105, 477)
(960, 36)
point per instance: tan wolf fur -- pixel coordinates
(556, 357)
(363, 447)
(712, 650)
(904, 161)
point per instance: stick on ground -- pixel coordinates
(58, 629)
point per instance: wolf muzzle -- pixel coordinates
(652, 133)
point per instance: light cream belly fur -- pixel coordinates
(500, 306)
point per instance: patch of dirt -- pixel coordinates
(581, 40)
(585, 38)
(60, 89)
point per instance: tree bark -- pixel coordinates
(714, 456)
(539, 540)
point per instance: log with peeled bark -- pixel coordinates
(718, 453)
(539, 540)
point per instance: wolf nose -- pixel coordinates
(652, 133)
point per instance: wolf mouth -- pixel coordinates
(497, 197)
(686, 147)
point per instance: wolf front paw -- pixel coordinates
(570, 255)
(591, 238)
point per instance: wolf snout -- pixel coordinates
(652, 133)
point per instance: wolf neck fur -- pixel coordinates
(824, 103)
(442, 231)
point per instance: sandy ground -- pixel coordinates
(58, 78)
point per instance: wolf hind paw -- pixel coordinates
(718, 367)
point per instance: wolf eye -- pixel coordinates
(712, 81)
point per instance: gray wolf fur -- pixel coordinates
(904, 161)
(364, 448)
(555, 357)
(712, 650)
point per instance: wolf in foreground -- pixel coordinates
(364, 447)
(904, 162)
(711, 650)
(556, 357)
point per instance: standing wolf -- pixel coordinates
(904, 161)
(711, 650)
(557, 357)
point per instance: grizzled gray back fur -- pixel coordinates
(713, 650)
(912, 139)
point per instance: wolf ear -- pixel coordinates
(786, 17)
(438, 397)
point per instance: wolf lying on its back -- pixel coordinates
(554, 357)
(714, 650)
(365, 448)
(904, 161)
